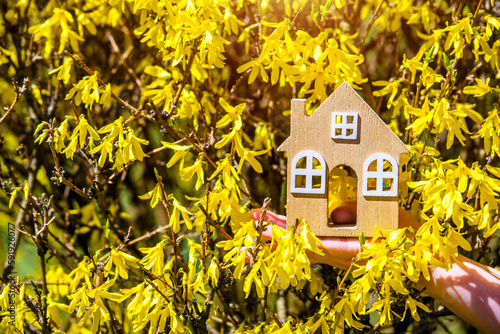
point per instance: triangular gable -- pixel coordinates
(345, 91)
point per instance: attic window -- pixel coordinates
(308, 173)
(345, 125)
(380, 176)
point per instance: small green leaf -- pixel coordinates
(429, 54)
(361, 236)
(446, 60)
(402, 241)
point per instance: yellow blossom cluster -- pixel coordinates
(132, 103)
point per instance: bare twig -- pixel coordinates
(260, 225)
(164, 201)
(42, 310)
(227, 310)
(157, 290)
(148, 235)
(126, 239)
(213, 223)
(477, 9)
(368, 28)
(197, 147)
(61, 178)
(116, 49)
(274, 317)
(19, 91)
(339, 287)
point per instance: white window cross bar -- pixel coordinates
(379, 175)
(308, 173)
(343, 126)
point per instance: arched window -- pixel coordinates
(308, 173)
(380, 176)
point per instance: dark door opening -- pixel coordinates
(342, 195)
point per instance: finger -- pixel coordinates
(268, 233)
(339, 252)
(341, 245)
(344, 214)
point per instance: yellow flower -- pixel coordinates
(480, 89)
(412, 304)
(81, 129)
(233, 113)
(106, 149)
(187, 173)
(175, 215)
(154, 260)
(229, 174)
(180, 153)
(120, 260)
(155, 195)
(63, 71)
(132, 149)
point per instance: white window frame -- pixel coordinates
(308, 172)
(379, 175)
(344, 126)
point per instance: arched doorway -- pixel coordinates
(342, 194)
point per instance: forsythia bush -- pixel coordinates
(115, 106)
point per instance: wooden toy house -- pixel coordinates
(343, 131)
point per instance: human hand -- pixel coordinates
(463, 289)
(339, 252)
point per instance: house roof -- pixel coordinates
(306, 131)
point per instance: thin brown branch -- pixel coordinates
(19, 91)
(197, 147)
(227, 311)
(213, 223)
(260, 226)
(61, 178)
(42, 310)
(369, 27)
(123, 62)
(477, 9)
(164, 201)
(276, 320)
(77, 119)
(339, 287)
(246, 190)
(147, 235)
(77, 190)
